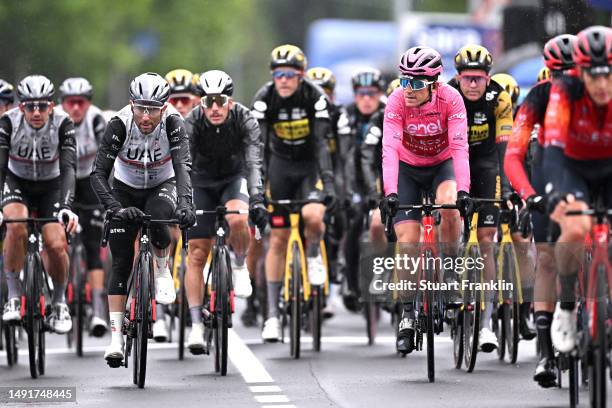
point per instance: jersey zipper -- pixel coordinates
(144, 162)
(34, 156)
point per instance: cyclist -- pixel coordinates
(294, 119)
(7, 96)
(489, 111)
(578, 110)
(89, 124)
(544, 74)
(368, 89)
(424, 149)
(512, 87)
(183, 90)
(37, 169)
(226, 151)
(148, 148)
(557, 53)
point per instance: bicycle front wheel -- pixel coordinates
(598, 342)
(33, 315)
(295, 296)
(222, 273)
(144, 307)
(182, 309)
(471, 315)
(511, 304)
(316, 315)
(429, 310)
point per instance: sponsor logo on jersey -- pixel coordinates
(292, 129)
(425, 129)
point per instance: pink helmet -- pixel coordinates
(421, 61)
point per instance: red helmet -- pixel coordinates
(557, 52)
(593, 47)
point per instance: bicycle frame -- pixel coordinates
(295, 237)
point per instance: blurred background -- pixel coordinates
(109, 42)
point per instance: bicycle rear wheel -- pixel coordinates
(32, 318)
(182, 309)
(316, 315)
(372, 314)
(295, 296)
(78, 300)
(471, 315)
(598, 343)
(222, 309)
(10, 344)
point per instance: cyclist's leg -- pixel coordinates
(314, 229)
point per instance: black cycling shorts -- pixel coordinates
(540, 221)
(40, 196)
(485, 183)
(91, 220)
(414, 182)
(208, 198)
(289, 180)
(588, 179)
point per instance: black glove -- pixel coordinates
(537, 202)
(524, 223)
(186, 216)
(258, 214)
(465, 203)
(389, 205)
(552, 200)
(130, 214)
(329, 198)
(372, 200)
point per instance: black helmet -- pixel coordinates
(7, 92)
(35, 87)
(149, 89)
(288, 56)
(368, 77)
(76, 87)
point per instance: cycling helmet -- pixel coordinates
(593, 47)
(393, 85)
(35, 87)
(149, 89)
(421, 61)
(473, 56)
(368, 77)
(288, 56)
(76, 87)
(322, 77)
(557, 52)
(7, 92)
(544, 74)
(180, 81)
(195, 85)
(217, 83)
(509, 84)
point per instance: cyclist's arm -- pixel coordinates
(259, 109)
(321, 128)
(344, 130)
(99, 125)
(556, 129)
(110, 146)
(503, 131)
(5, 144)
(458, 143)
(68, 160)
(254, 162)
(346, 151)
(368, 152)
(516, 151)
(181, 159)
(392, 136)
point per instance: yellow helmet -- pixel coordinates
(180, 81)
(322, 77)
(195, 85)
(509, 84)
(473, 56)
(544, 74)
(288, 55)
(393, 85)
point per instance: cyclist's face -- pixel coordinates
(414, 99)
(76, 107)
(286, 81)
(367, 99)
(182, 102)
(473, 83)
(36, 113)
(147, 117)
(599, 87)
(218, 113)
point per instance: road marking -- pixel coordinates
(350, 340)
(245, 361)
(279, 406)
(271, 398)
(265, 388)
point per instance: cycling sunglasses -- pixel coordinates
(184, 100)
(142, 110)
(280, 73)
(209, 100)
(367, 92)
(468, 79)
(598, 71)
(75, 101)
(42, 107)
(413, 83)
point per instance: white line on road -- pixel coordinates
(271, 398)
(265, 388)
(245, 361)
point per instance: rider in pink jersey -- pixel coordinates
(425, 149)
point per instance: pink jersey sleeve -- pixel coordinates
(392, 136)
(457, 139)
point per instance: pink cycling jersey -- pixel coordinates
(426, 136)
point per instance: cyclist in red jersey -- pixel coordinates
(529, 120)
(578, 157)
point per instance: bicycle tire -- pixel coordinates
(10, 344)
(457, 335)
(295, 296)
(431, 368)
(316, 313)
(471, 317)
(182, 310)
(500, 332)
(597, 366)
(144, 306)
(371, 313)
(222, 272)
(31, 318)
(573, 382)
(511, 313)
(79, 298)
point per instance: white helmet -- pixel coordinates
(76, 87)
(34, 87)
(217, 83)
(150, 89)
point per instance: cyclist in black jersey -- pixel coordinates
(147, 146)
(89, 124)
(293, 115)
(226, 151)
(184, 90)
(37, 171)
(7, 96)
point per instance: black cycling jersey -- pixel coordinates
(371, 151)
(296, 128)
(226, 152)
(116, 136)
(39, 154)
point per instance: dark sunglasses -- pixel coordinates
(142, 110)
(468, 79)
(75, 101)
(209, 100)
(184, 100)
(413, 83)
(42, 107)
(289, 74)
(366, 92)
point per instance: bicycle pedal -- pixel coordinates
(114, 362)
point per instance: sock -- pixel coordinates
(408, 311)
(97, 300)
(543, 321)
(485, 320)
(196, 314)
(239, 260)
(524, 309)
(313, 248)
(116, 323)
(14, 284)
(59, 292)
(568, 292)
(273, 295)
(160, 264)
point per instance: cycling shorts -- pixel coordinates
(40, 196)
(91, 221)
(485, 183)
(586, 179)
